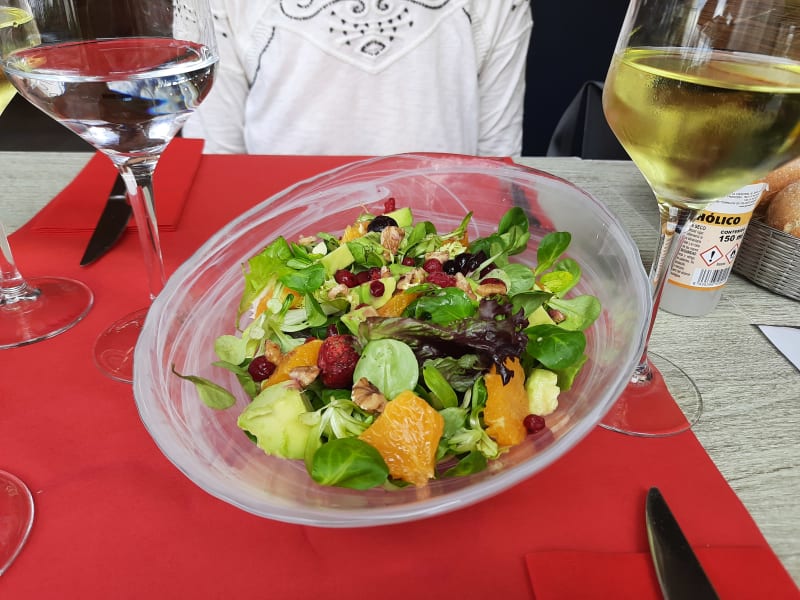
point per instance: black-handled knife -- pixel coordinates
(112, 223)
(680, 574)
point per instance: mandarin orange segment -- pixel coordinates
(506, 405)
(356, 230)
(397, 304)
(285, 291)
(304, 355)
(406, 435)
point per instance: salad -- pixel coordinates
(394, 354)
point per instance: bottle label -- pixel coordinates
(705, 258)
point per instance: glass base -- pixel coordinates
(55, 304)
(113, 350)
(637, 411)
(16, 508)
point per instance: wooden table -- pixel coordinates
(751, 392)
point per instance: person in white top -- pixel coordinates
(367, 77)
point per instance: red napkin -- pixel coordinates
(569, 574)
(79, 205)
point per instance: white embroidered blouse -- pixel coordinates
(367, 77)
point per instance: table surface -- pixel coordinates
(751, 392)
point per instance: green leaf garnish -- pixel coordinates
(350, 463)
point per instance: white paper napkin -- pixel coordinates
(785, 339)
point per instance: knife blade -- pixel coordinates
(112, 223)
(680, 574)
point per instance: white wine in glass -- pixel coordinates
(705, 98)
(31, 309)
(124, 76)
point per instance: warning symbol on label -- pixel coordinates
(711, 255)
(731, 256)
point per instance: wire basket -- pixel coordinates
(770, 258)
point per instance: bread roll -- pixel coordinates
(784, 210)
(777, 180)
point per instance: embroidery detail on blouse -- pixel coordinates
(369, 34)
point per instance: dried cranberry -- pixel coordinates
(337, 360)
(432, 265)
(488, 280)
(407, 261)
(332, 329)
(362, 277)
(380, 223)
(487, 269)
(374, 273)
(345, 277)
(260, 368)
(389, 205)
(376, 289)
(533, 423)
(441, 279)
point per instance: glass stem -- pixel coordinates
(138, 176)
(13, 287)
(675, 221)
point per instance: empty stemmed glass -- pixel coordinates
(16, 517)
(705, 98)
(38, 308)
(124, 76)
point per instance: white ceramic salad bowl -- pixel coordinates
(200, 303)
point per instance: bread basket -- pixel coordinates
(770, 258)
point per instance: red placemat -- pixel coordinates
(115, 519)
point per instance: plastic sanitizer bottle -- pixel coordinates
(705, 258)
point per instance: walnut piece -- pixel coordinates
(367, 396)
(411, 278)
(303, 376)
(489, 288)
(272, 352)
(462, 283)
(441, 255)
(391, 237)
(339, 289)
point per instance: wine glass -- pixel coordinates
(705, 98)
(16, 517)
(124, 76)
(38, 308)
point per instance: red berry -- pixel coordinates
(389, 205)
(487, 269)
(533, 423)
(337, 360)
(432, 265)
(374, 273)
(441, 279)
(362, 277)
(492, 280)
(260, 368)
(408, 261)
(345, 277)
(376, 289)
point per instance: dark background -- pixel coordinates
(572, 42)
